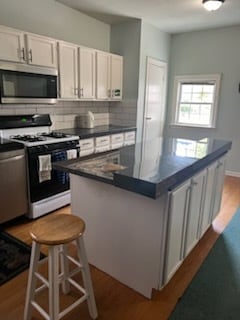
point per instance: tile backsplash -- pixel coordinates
(63, 114)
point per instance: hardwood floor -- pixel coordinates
(114, 300)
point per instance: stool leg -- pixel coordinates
(32, 280)
(65, 269)
(53, 272)
(87, 278)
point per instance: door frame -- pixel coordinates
(163, 64)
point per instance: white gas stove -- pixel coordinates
(48, 189)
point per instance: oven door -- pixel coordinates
(57, 181)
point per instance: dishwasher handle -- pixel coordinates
(15, 158)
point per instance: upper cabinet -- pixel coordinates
(68, 70)
(41, 51)
(87, 73)
(84, 73)
(116, 76)
(76, 72)
(17, 46)
(109, 76)
(11, 45)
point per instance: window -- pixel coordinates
(196, 100)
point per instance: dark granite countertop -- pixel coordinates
(150, 168)
(7, 145)
(97, 131)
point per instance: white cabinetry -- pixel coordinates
(183, 225)
(116, 76)
(102, 143)
(11, 45)
(109, 76)
(192, 207)
(208, 199)
(76, 72)
(68, 70)
(87, 73)
(129, 138)
(86, 147)
(218, 186)
(176, 229)
(17, 46)
(194, 212)
(41, 51)
(117, 140)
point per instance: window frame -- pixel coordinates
(191, 79)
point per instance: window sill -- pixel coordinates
(177, 125)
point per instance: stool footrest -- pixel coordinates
(72, 306)
(40, 310)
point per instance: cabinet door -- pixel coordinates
(103, 75)
(68, 71)
(41, 51)
(87, 72)
(218, 185)
(179, 200)
(116, 77)
(194, 212)
(209, 194)
(11, 45)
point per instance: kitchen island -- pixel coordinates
(146, 206)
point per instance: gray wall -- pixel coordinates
(205, 52)
(154, 44)
(50, 18)
(125, 40)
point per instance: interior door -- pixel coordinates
(155, 97)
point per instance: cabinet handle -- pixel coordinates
(148, 118)
(194, 183)
(30, 55)
(81, 92)
(109, 93)
(23, 54)
(76, 90)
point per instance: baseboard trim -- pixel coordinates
(233, 173)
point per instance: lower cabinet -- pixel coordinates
(176, 229)
(192, 208)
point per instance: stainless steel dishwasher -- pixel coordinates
(13, 182)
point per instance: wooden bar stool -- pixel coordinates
(56, 231)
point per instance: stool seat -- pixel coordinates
(57, 229)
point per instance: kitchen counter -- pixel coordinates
(7, 145)
(146, 206)
(97, 131)
(165, 163)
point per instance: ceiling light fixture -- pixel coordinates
(212, 5)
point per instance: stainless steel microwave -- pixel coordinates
(27, 84)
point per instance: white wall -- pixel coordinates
(51, 18)
(204, 52)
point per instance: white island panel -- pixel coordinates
(124, 232)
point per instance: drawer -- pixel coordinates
(102, 141)
(129, 142)
(102, 148)
(117, 138)
(86, 144)
(130, 135)
(86, 152)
